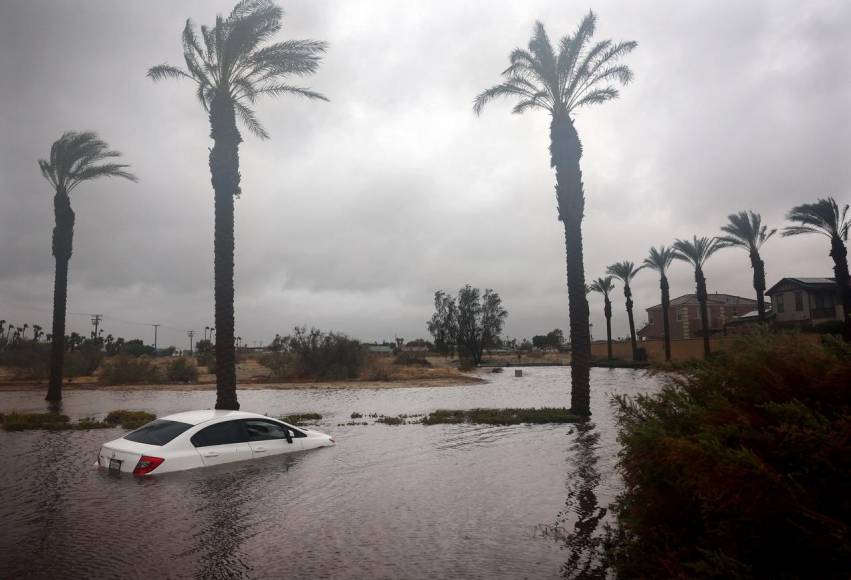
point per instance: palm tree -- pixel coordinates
(625, 271)
(231, 70)
(74, 159)
(561, 82)
(696, 253)
(827, 219)
(660, 260)
(604, 286)
(745, 230)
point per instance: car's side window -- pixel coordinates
(260, 430)
(223, 433)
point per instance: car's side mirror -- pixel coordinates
(288, 435)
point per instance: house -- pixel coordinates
(684, 315)
(805, 301)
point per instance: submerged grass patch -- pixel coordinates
(15, 421)
(502, 416)
(301, 418)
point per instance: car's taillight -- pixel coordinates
(147, 464)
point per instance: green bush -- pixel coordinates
(739, 467)
(126, 370)
(316, 355)
(180, 370)
(302, 418)
(129, 419)
(25, 421)
(501, 416)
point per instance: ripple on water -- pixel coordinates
(443, 501)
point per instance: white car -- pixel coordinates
(200, 438)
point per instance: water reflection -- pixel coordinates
(584, 541)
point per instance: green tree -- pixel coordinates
(561, 81)
(231, 69)
(443, 324)
(825, 218)
(745, 230)
(604, 286)
(480, 320)
(660, 260)
(75, 158)
(625, 271)
(696, 253)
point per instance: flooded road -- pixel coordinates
(410, 501)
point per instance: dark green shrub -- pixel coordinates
(83, 362)
(125, 370)
(739, 467)
(316, 355)
(301, 418)
(180, 370)
(25, 421)
(129, 419)
(501, 416)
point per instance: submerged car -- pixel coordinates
(201, 438)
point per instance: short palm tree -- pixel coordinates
(625, 271)
(604, 286)
(826, 218)
(75, 158)
(660, 260)
(231, 70)
(696, 253)
(561, 80)
(745, 230)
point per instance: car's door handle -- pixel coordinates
(210, 454)
(260, 450)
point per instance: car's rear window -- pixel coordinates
(157, 432)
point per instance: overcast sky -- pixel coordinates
(357, 210)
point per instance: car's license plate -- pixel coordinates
(115, 465)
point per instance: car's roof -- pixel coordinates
(197, 417)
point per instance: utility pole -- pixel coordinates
(190, 334)
(156, 326)
(96, 318)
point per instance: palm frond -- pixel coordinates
(823, 217)
(696, 251)
(659, 259)
(248, 118)
(624, 271)
(75, 158)
(167, 71)
(602, 285)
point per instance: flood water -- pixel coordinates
(410, 501)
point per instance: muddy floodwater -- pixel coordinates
(410, 501)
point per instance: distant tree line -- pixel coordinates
(472, 320)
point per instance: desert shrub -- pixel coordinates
(180, 370)
(377, 369)
(356, 415)
(466, 364)
(411, 358)
(739, 467)
(82, 362)
(129, 419)
(125, 370)
(384, 420)
(316, 355)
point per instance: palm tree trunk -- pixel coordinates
(704, 314)
(839, 253)
(565, 153)
(63, 237)
(628, 293)
(607, 310)
(224, 169)
(666, 323)
(759, 283)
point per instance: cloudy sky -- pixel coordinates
(357, 210)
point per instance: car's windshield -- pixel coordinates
(157, 432)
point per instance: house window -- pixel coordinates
(681, 315)
(778, 303)
(649, 318)
(799, 301)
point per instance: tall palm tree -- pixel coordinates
(625, 271)
(826, 218)
(604, 286)
(745, 230)
(696, 253)
(660, 260)
(75, 158)
(231, 70)
(561, 81)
